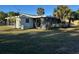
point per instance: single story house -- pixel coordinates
(24, 21)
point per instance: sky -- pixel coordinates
(31, 9)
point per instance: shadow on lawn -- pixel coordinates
(40, 43)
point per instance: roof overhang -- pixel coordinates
(28, 15)
(33, 16)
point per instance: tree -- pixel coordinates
(17, 13)
(77, 12)
(2, 16)
(40, 11)
(74, 15)
(13, 13)
(12, 21)
(71, 16)
(62, 12)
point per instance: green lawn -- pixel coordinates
(61, 40)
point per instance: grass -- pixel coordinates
(34, 41)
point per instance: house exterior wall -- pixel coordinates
(21, 22)
(25, 25)
(18, 22)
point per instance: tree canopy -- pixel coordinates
(13, 13)
(2, 15)
(62, 12)
(40, 11)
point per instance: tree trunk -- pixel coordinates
(69, 23)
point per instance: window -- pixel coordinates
(27, 20)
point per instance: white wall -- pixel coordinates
(25, 25)
(18, 22)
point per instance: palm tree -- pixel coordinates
(40, 11)
(62, 12)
